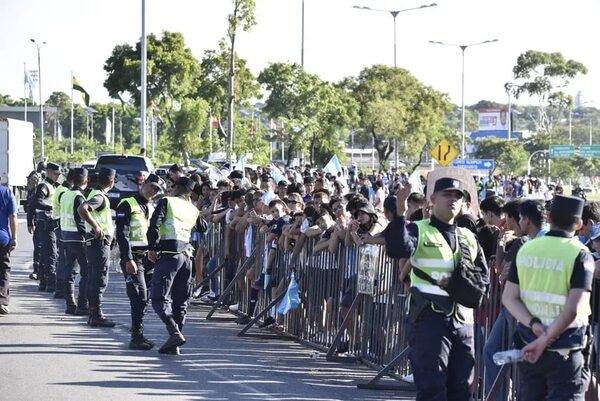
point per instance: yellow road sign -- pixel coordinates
(444, 152)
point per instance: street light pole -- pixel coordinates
(570, 126)
(38, 46)
(302, 47)
(394, 14)
(143, 83)
(463, 48)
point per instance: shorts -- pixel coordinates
(348, 292)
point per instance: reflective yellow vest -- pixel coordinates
(102, 217)
(138, 222)
(180, 219)
(56, 201)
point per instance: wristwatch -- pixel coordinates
(533, 321)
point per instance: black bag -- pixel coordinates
(468, 284)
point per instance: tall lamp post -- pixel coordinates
(394, 14)
(571, 122)
(463, 48)
(38, 46)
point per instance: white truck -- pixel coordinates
(16, 154)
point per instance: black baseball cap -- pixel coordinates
(447, 184)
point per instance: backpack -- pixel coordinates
(468, 283)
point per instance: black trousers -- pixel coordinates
(49, 254)
(76, 263)
(60, 261)
(137, 288)
(37, 244)
(442, 358)
(172, 287)
(98, 256)
(4, 275)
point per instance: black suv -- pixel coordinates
(131, 173)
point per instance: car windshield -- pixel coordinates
(123, 163)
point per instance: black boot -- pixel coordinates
(60, 290)
(71, 306)
(175, 337)
(82, 307)
(97, 318)
(43, 283)
(138, 341)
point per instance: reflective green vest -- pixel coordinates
(56, 201)
(102, 217)
(180, 219)
(138, 222)
(48, 201)
(68, 226)
(434, 256)
(545, 266)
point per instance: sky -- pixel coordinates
(340, 40)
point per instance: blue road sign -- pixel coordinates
(475, 164)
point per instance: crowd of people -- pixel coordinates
(535, 255)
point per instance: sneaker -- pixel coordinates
(200, 292)
(343, 347)
(243, 320)
(33, 276)
(211, 298)
(269, 321)
(234, 307)
(4, 310)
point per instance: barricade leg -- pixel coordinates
(372, 385)
(330, 353)
(261, 314)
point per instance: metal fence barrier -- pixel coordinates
(352, 306)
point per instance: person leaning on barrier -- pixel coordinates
(99, 231)
(548, 294)
(132, 217)
(441, 332)
(169, 235)
(42, 202)
(72, 236)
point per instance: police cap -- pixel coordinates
(186, 183)
(449, 184)
(568, 205)
(155, 181)
(53, 167)
(106, 173)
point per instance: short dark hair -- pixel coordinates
(276, 202)
(591, 211)
(493, 204)
(511, 209)
(534, 210)
(233, 195)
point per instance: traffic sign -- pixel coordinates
(562, 151)
(444, 152)
(589, 151)
(475, 164)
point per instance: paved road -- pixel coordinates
(45, 354)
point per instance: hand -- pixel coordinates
(30, 229)
(538, 329)
(98, 233)
(534, 350)
(402, 198)
(13, 244)
(131, 267)
(152, 256)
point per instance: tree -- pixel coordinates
(541, 75)
(214, 80)
(190, 120)
(510, 156)
(313, 115)
(242, 17)
(394, 105)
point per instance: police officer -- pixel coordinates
(549, 295)
(60, 265)
(33, 180)
(44, 224)
(169, 235)
(99, 231)
(133, 215)
(72, 233)
(441, 332)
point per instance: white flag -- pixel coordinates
(108, 131)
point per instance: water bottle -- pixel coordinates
(510, 356)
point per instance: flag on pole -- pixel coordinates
(415, 181)
(108, 133)
(333, 166)
(29, 84)
(76, 86)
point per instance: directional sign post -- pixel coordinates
(475, 164)
(562, 151)
(589, 151)
(444, 152)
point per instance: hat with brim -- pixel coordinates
(448, 184)
(155, 181)
(52, 167)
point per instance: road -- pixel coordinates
(48, 355)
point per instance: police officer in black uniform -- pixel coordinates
(172, 222)
(60, 264)
(42, 202)
(99, 233)
(73, 239)
(33, 180)
(133, 215)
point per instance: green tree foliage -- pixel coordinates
(190, 121)
(214, 80)
(510, 156)
(315, 115)
(542, 75)
(394, 105)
